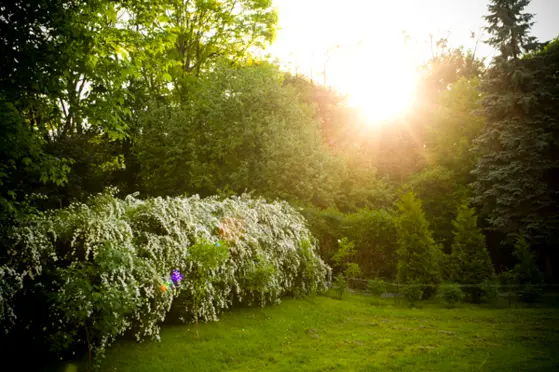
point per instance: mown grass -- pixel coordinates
(325, 334)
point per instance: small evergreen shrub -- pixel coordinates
(412, 293)
(340, 285)
(489, 291)
(527, 276)
(450, 293)
(377, 287)
(508, 284)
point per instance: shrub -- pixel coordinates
(343, 257)
(450, 293)
(352, 270)
(489, 291)
(345, 252)
(418, 255)
(377, 287)
(507, 280)
(373, 232)
(527, 276)
(340, 285)
(10, 284)
(412, 292)
(108, 266)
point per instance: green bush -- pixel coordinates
(412, 292)
(377, 287)
(373, 232)
(507, 279)
(527, 276)
(343, 257)
(340, 285)
(450, 293)
(352, 270)
(489, 291)
(104, 267)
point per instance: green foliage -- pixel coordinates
(373, 232)
(343, 257)
(345, 252)
(446, 68)
(24, 162)
(450, 293)
(242, 131)
(469, 262)
(453, 128)
(509, 27)
(376, 287)
(514, 184)
(440, 190)
(527, 276)
(204, 257)
(326, 227)
(412, 292)
(352, 270)
(104, 265)
(10, 284)
(418, 254)
(489, 290)
(340, 285)
(509, 284)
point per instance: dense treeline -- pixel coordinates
(167, 98)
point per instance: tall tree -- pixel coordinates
(179, 39)
(509, 28)
(518, 146)
(244, 131)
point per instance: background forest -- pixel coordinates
(168, 98)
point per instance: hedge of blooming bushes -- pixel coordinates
(105, 267)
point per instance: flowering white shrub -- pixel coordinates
(106, 265)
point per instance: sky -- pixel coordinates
(361, 42)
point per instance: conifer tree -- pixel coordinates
(518, 147)
(418, 254)
(509, 28)
(470, 261)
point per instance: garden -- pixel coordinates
(180, 192)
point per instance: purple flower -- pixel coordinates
(176, 276)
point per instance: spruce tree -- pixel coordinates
(470, 261)
(518, 147)
(509, 28)
(418, 254)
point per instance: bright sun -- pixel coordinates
(370, 62)
(384, 95)
(381, 89)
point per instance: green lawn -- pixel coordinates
(325, 334)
